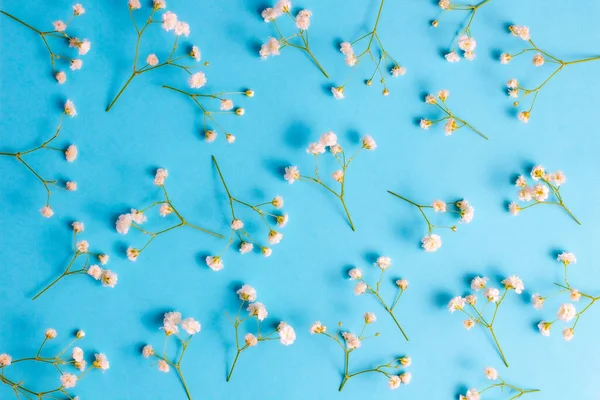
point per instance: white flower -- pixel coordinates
(394, 382)
(360, 288)
(491, 373)
(514, 282)
(406, 377)
(352, 341)
(512, 83)
(109, 278)
(540, 192)
(431, 243)
(165, 209)
(383, 262)
(247, 293)
(237, 224)
(59, 26)
(82, 246)
(274, 237)
(78, 9)
(76, 64)
(303, 19)
(538, 60)
(575, 295)
(68, 380)
(101, 362)
(338, 92)
(402, 284)
(277, 202)
(568, 334)
(397, 71)
(246, 247)
(478, 283)
(368, 143)
(169, 21)
(182, 28)
(159, 4)
(355, 273)
(292, 174)
(287, 335)
(95, 272)
(191, 326)
(282, 220)
(250, 340)
(473, 394)
(124, 223)
(538, 172)
(567, 258)
(77, 354)
(318, 327)
(406, 361)
(444, 4)
(315, 148)
(328, 139)
(346, 48)
(266, 251)
(160, 176)
(557, 178)
(544, 328)
(425, 124)
(525, 194)
(467, 43)
(46, 212)
(210, 136)
(61, 77)
(197, 80)
(172, 317)
(226, 104)
(135, 4)
(514, 208)
(163, 366)
(457, 303)
(468, 324)
(132, 253)
(257, 310)
(566, 312)
(215, 263)
(439, 206)
(520, 31)
(148, 351)
(70, 109)
(370, 318)
(492, 294)
(471, 299)
(195, 53)
(452, 57)
(229, 137)
(152, 60)
(537, 301)
(505, 58)
(270, 14)
(170, 328)
(271, 48)
(84, 47)
(138, 216)
(524, 116)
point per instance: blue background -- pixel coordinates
(304, 280)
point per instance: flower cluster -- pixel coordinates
(493, 297)
(349, 342)
(302, 20)
(61, 34)
(540, 57)
(450, 120)
(70, 153)
(172, 323)
(362, 287)
(492, 374)
(282, 332)
(63, 363)
(170, 22)
(432, 242)
(226, 106)
(464, 40)
(567, 311)
(137, 217)
(547, 183)
(382, 60)
(329, 141)
(81, 249)
(239, 230)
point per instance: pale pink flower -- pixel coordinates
(370, 318)
(240, 111)
(78, 9)
(431, 243)
(514, 208)
(109, 278)
(246, 247)
(257, 310)
(355, 273)
(50, 334)
(537, 301)
(163, 366)
(457, 303)
(76, 64)
(95, 272)
(567, 258)
(77, 226)
(124, 223)
(452, 57)
(466, 43)
(182, 28)
(215, 263)
(352, 341)
(236, 224)
(84, 47)
(566, 312)
(557, 178)
(520, 31)
(287, 335)
(397, 71)
(315, 148)
(70, 109)
(5, 360)
(368, 143)
(132, 253)
(68, 380)
(394, 382)
(383, 262)
(210, 136)
(568, 334)
(538, 60)
(360, 288)
(406, 377)
(425, 123)
(165, 209)
(82, 246)
(195, 53)
(266, 251)
(328, 139)
(148, 351)
(338, 176)
(135, 4)
(61, 77)
(160, 4)
(402, 284)
(524, 116)
(226, 104)
(71, 153)
(169, 20)
(77, 354)
(478, 283)
(247, 293)
(138, 216)
(515, 283)
(540, 192)
(71, 186)
(152, 60)
(491, 373)
(229, 137)
(471, 299)
(47, 212)
(277, 202)
(274, 237)
(467, 212)
(270, 48)
(318, 327)
(282, 220)
(492, 294)
(575, 295)
(512, 83)
(338, 92)
(292, 174)
(505, 58)
(103, 258)
(450, 126)
(544, 328)
(346, 48)
(270, 14)
(197, 80)
(250, 340)
(439, 206)
(303, 20)
(59, 26)
(160, 176)
(191, 326)
(468, 324)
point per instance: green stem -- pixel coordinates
(233, 365)
(112, 103)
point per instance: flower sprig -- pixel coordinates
(247, 242)
(81, 249)
(492, 374)
(329, 139)
(362, 287)
(463, 39)
(226, 107)
(539, 58)
(432, 241)
(70, 154)
(137, 217)
(548, 182)
(302, 21)
(567, 311)
(61, 363)
(349, 342)
(172, 321)
(380, 58)
(170, 23)
(283, 332)
(494, 300)
(61, 34)
(453, 122)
